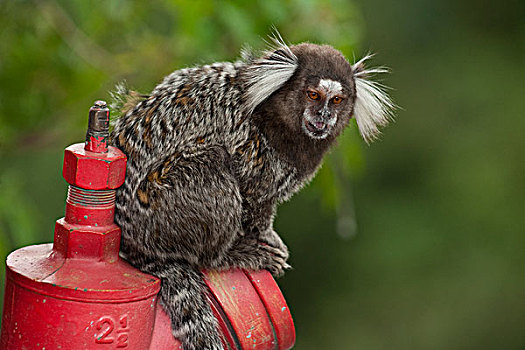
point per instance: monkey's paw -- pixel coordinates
(272, 239)
(275, 261)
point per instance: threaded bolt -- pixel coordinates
(98, 128)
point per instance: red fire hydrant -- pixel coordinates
(77, 293)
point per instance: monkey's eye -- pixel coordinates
(337, 100)
(313, 95)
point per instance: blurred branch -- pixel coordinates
(75, 38)
(345, 209)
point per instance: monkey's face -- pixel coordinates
(326, 89)
(313, 93)
(326, 101)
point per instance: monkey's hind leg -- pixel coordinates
(183, 296)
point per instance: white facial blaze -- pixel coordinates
(331, 87)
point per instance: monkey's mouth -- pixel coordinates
(316, 129)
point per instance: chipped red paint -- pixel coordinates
(275, 305)
(98, 128)
(251, 310)
(248, 319)
(94, 171)
(97, 144)
(77, 293)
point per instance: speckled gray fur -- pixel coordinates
(212, 150)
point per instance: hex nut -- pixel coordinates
(94, 171)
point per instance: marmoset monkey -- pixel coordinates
(213, 149)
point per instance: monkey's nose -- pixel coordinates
(324, 113)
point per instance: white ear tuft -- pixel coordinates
(373, 107)
(267, 74)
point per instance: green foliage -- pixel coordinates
(17, 215)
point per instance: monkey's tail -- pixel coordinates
(183, 296)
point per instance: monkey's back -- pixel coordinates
(194, 113)
(192, 108)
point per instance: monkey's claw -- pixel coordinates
(275, 260)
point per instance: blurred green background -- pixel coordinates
(416, 242)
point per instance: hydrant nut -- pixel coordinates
(94, 171)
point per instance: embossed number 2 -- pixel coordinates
(106, 325)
